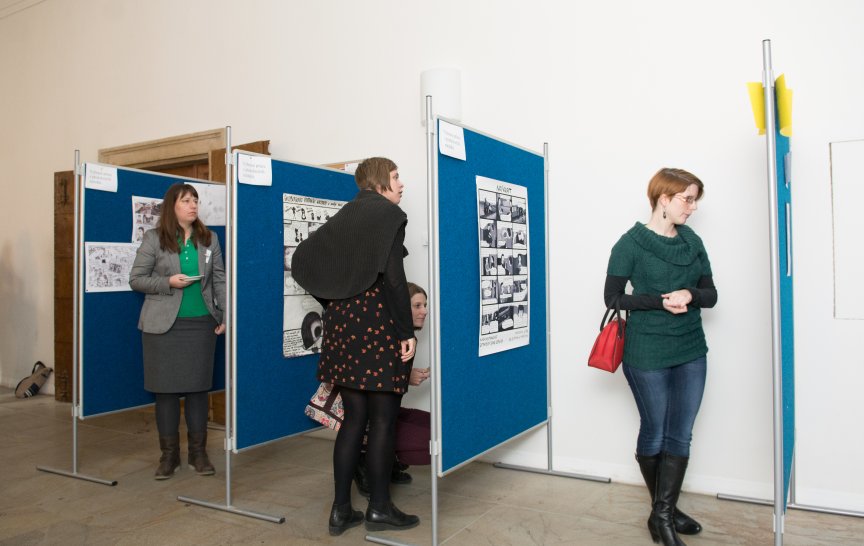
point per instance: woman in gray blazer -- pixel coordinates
(180, 270)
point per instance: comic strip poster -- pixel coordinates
(302, 325)
(108, 266)
(146, 212)
(504, 271)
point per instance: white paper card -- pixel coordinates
(100, 177)
(256, 170)
(451, 140)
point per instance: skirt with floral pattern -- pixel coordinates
(360, 349)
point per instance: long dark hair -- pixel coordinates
(169, 228)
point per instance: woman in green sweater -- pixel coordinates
(664, 349)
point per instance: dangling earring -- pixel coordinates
(664, 213)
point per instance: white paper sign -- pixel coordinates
(451, 140)
(256, 170)
(100, 177)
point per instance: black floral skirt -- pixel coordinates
(360, 349)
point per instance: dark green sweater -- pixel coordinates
(654, 265)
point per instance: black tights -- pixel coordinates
(379, 410)
(168, 412)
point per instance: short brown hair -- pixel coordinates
(671, 181)
(374, 174)
(414, 289)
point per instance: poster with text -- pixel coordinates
(302, 325)
(504, 272)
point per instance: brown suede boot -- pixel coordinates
(169, 462)
(198, 458)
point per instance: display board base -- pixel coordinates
(76, 475)
(233, 510)
(805, 507)
(552, 472)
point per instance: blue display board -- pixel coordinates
(486, 401)
(787, 322)
(112, 373)
(272, 391)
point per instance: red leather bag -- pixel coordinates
(608, 348)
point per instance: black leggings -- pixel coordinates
(168, 412)
(379, 410)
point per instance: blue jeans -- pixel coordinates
(668, 400)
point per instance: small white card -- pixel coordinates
(256, 170)
(451, 140)
(100, 177)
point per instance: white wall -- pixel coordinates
(618, 89)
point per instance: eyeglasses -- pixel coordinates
(689, 199)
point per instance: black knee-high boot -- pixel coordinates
(684, 524)
(670, 477)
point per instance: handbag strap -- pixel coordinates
(615, 314)
(331, 399)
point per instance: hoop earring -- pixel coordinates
(664, 213)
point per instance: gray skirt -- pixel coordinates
(181, 359)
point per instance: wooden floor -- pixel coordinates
(478, 504)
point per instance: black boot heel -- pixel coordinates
(343, 517)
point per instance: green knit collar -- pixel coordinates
(682, 249)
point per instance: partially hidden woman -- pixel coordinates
(412, 425)
(179, 268)
(353, 265)
(664, 346)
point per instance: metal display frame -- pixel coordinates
(77, 289)
(230, 345)
(433, 321)
(776, 338)
(549, 470)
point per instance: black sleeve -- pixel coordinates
(396, 289)
(614, 290)
(705, 293)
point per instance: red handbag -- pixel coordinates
(608, 348)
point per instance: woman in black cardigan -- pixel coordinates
(353, 265)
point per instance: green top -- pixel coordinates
(193, 301)
(654, 265)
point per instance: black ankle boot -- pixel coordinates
(343, 517)
(670, 477)
(361, 476)
(386, 517)
(398, 474)
(684, 524)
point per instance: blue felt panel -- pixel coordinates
(272, 391)
(488, 400)
(112, 376)
(787, 323)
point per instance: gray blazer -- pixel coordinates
(152, 269)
